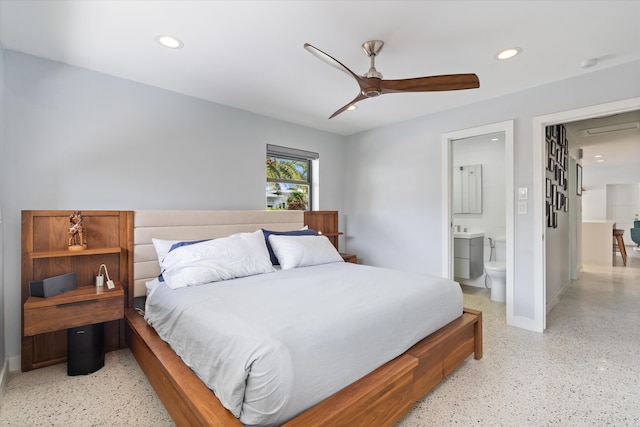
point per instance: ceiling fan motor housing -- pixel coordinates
(371, 92)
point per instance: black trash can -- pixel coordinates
(85, 349)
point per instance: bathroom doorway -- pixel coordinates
(501, 227)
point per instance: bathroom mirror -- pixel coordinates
(467, 189)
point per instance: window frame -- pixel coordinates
(298, 155)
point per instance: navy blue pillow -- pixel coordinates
(267, 233)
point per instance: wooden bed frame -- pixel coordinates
(380, 398)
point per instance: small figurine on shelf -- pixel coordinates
(77, 239)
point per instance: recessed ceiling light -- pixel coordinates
(598, 156)
(600, 160)
(508, 53)
(352, 107)
(494, 139)
(170, 42)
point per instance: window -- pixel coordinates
(289, 178)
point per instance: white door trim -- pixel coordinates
(539, 222)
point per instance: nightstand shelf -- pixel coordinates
(86, 252)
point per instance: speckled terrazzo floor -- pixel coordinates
(116, 395)
(583, 371)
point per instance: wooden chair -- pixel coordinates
(619, 241)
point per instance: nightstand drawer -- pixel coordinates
(66, 311)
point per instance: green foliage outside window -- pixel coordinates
(288, 183)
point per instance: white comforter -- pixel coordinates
(272, 345)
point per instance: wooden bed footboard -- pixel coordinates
(381, 398)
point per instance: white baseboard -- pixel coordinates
(15, 364)
(11, 364)
(476, 282)
(524, 323)
(556, 298)
(4, 379)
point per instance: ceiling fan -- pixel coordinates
(372, 84)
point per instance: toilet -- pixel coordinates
(497, 272)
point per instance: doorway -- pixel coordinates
(506, 131)
(539, 190)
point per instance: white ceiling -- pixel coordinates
(249, 54)
(615, 148)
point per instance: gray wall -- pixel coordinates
(77, 139)
(2, 153)
(557, 242)
(393, 202)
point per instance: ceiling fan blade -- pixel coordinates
(331, 61)
(360, 97)
(431, 84)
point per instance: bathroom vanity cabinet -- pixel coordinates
(468, 253)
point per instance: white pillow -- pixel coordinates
(302, 251)
(239, 255)
(162, 247)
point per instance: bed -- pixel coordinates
(379, 397)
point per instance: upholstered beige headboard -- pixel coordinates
(195, 225)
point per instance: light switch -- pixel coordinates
(522, 208)
(523, 193)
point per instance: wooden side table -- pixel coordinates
(349, 258)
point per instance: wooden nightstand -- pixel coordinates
(85, 305)
(349, 258)
(45, 254)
